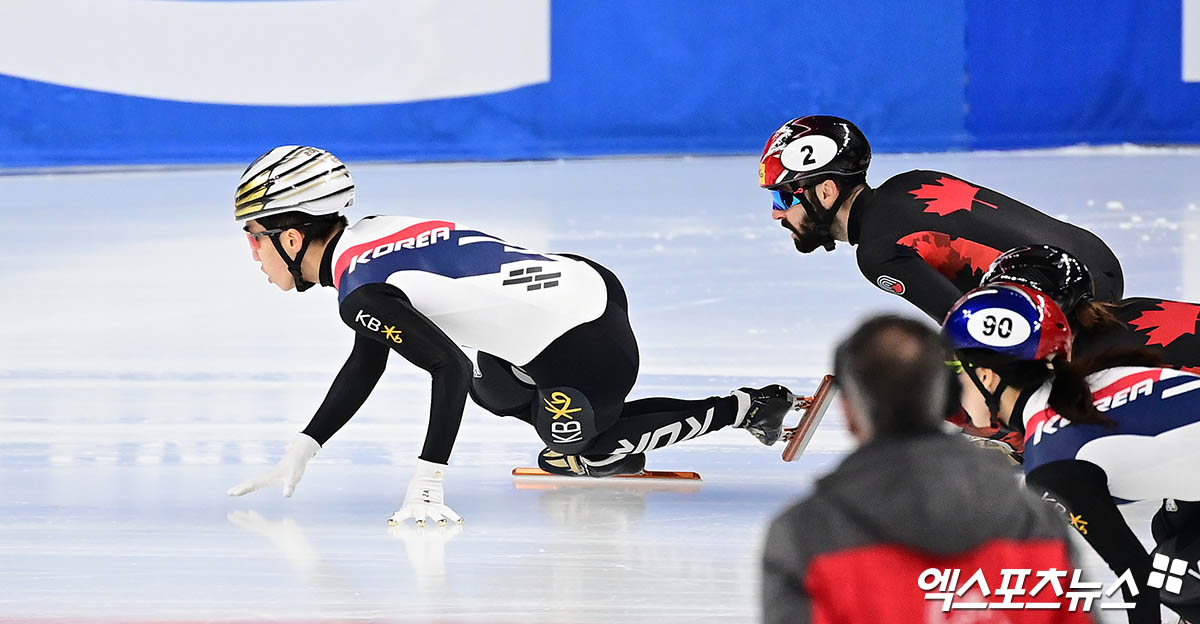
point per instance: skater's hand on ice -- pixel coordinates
(288, 471)
(424, 498)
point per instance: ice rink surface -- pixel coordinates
(146, 366)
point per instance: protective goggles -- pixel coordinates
(785, 198)
(958, 366)
(255, 238)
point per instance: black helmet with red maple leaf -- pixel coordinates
(1048, 269)
(805, 152)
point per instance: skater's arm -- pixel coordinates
(350, 388)
(1082, 487)
(382, 313)
(897, 269)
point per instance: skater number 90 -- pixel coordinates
(998, 327)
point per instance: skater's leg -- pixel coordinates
(501, 388)
(584, 376)
(649, 424)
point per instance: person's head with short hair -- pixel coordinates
(894, 380)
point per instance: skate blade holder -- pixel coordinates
(675, 475)
(812, 410)
(649, 481)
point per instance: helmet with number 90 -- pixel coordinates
(813, 148)
(1009, 319)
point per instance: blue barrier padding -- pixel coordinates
(627, 76)
(1058, 73)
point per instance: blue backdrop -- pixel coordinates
(1051, 73)
(700, 76)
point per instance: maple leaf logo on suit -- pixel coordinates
(1166, 324)
(948, 196)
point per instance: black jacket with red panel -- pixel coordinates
(854, 551)
(929, 237)
(1168, 327)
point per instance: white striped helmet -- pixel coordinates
(293, 178)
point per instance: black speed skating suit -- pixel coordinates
(929, 237)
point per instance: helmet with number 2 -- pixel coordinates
(813, 148)
(1013, 320)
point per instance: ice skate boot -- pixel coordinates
(557, 463)
(761, 411)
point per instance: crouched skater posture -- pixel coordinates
(552, 331)
(1109, 427)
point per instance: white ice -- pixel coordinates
(146, 365)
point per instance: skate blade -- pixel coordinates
(812, 410)
(645, 474)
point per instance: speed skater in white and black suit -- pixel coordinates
(552, 331)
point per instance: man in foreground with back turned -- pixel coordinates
(911, 498)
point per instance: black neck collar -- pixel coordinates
(1016, 420)
(861, 206)
(326, 271)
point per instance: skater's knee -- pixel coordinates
(565, 419)
(500, 388)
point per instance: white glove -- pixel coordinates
(288, 471)
(424, 497)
